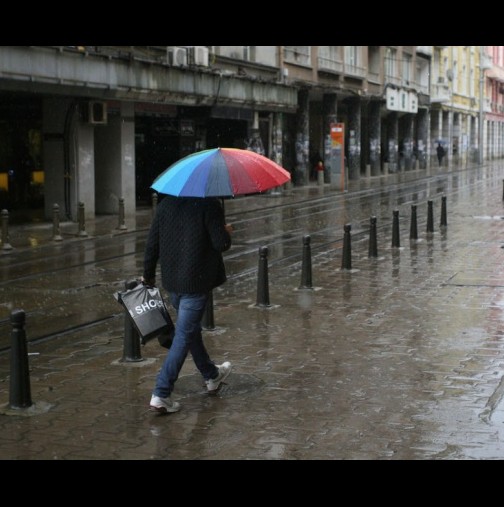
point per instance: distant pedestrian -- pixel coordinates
(187, 237)
(440, 153)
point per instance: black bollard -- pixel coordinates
(122, 217)
(131, 347)
(430, 217)
(154, 204)
(82, 221)
(263, 299)
(373, 245)
(396, 241)
(5, 231)
(444, 221)
(346, 262)
(208, 321)
(56, 224)
(306, 268)
(413, 235)
(19, 392)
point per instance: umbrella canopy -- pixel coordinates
(221, 172)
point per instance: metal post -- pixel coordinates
(56, 224)
(208, 321)
(5, 231)
(396, 241)
(82, 221)
(19, 392)
(346, 262)
(131, 348)
(430, 217)
(413, 225)
(263, 299)
(444, 221)
(320, 177)
(122, 218)
(373, 244)
(306, 268)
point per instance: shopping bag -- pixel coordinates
(148, 312)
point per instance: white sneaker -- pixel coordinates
(163, 405)
(224, 371)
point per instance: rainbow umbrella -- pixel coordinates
(221, 172)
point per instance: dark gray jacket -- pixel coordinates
(187, 237)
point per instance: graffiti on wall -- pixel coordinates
(302, 149)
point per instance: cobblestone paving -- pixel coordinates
(399, 358)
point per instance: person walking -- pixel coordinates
(440, 153)
(187, 237)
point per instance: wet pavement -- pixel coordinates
(398, 358)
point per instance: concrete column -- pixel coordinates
(354, 139)
(436, 135)
(330, 111)
(276, 138)
(302, 139)
(494, 139)
(374, 128)
(57, 113)
(464, 135)
(407, 142)
(447, 136)
(392, 142)
(473, 139)
(82, 188)
(422, 137)
(115, 162)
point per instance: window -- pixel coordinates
(406, 68)
(300, 55)
(390, 63)
(329, 58)
(352, 56)
(249, 53)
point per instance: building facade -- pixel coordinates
(93, 124)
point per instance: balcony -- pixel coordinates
(393, 80)
(424, 50)
(374, 77)
(486, 62)
(421, 88)
(355, 71)
(440, 92)
(327, 64)
(296, 56)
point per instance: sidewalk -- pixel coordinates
(399, 358)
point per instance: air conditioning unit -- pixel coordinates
(97, 112)
(177, 56)
(200, 55)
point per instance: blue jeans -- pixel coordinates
(190, 310)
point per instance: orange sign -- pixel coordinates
(337, 151)
(337, 135)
